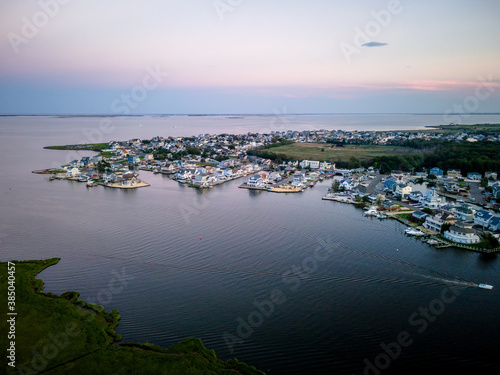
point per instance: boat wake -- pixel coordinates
(439, 277)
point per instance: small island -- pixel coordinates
(65, 335)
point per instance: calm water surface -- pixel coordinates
(195, 264)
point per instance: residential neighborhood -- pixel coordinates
(459, 207)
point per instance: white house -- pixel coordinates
(326, 165)
(465, 212)
(403, 189)
(348, 184)
(462, 233)
(255, 181)
(129, 179)
(201, 179)
(275, 176)
(474, 176)
(415, 196)
(431, 200)
(72, 172)
(435, 223)
(313, 164)
(298, 180)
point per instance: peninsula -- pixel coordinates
(458, 163)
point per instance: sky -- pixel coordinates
(249, 56)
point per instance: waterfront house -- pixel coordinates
(436, 172)
(73, 172)
(482, 218)
(168, 168)
(299, 180)
(228, 173)
(462, 233)
(419, 215)
(129, 179)
(436, 222)
(182, 174)
(348, 184)
(201, 179)
(109, 178)
(220, 175)
(474, 176)
(255, 181)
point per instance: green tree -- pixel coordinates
(427, 210)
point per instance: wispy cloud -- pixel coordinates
(374, 44)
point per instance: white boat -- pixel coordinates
(485, 286)
(414, 232)
(371, 212)
(91, 183)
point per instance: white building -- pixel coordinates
(431, 200)
(313, 164)
(462, 233)
(255, 181)
(72, 172)
(403, 189)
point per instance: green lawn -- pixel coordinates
(312, 151)
(85, 147)
(64, 335)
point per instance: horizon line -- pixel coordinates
(239, 114)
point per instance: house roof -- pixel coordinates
(483, 214)
(419, 214)
(454, 228)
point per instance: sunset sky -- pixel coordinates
(88, 57)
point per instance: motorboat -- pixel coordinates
(485, 286)
(414, 232)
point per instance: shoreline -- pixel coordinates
(90, 343)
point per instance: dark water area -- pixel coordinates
(288, 283)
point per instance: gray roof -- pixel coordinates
(454, 228)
